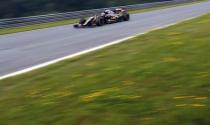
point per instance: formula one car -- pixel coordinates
(106, 17)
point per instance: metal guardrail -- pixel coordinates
(23, 21)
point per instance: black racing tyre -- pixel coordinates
(100, 21)
(76, 26)
(126, 17)
(120, 19)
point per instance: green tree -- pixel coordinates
(18, 8)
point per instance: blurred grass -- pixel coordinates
(37, 26)
(160, 78)
(72, 21)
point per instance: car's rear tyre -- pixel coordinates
(76, 26)
(120, 19)
(126, 17)
(100, 21)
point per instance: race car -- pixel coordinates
(106, 17)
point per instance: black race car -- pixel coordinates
(106, 17)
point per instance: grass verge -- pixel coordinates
(36, 26)
(160, 78)
(72, 21)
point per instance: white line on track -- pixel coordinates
(87, 51)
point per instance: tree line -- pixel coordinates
(20, 8)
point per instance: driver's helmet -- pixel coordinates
(117, 10)
(106, 11)
(103, 14)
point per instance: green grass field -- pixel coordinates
(160, 78)
(72, 21)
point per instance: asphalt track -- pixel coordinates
(22, 50)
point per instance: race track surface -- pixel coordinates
(26, 49)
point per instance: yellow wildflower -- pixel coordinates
(193, 105)
(92, 96)
(201, 98)
(47, 103)
(170, 59)
(198, 105)
(37, 93)
(184, 97)
(127, 97)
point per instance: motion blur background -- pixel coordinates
(19, 8)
